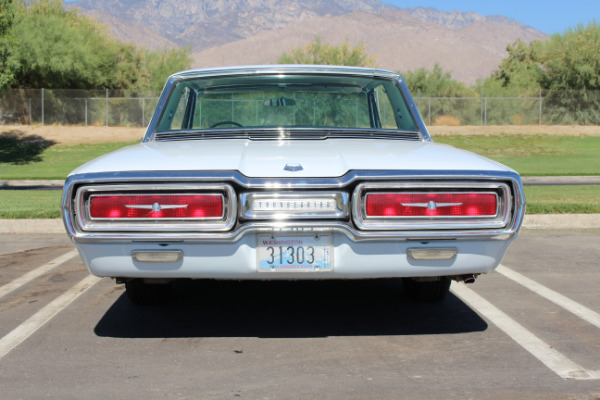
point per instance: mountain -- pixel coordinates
(183, 20)
(230, 32)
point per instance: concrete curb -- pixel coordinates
(562, 221)
(32, 184)
(552, 221)
(560, 180)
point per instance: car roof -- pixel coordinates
(282, 68)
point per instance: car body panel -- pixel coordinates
(352, 260)
(264, 159)
(293, 162)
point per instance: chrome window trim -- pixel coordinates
(258, 70)
(287, 133)
(88, 224)
(364, 222)
(247, 200)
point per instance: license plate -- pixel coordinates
(294, 253)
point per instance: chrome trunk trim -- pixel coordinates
(294, 205)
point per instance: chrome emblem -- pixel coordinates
(432, 205)
(156, 207)
(293, 167)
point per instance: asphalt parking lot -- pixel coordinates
(530, 330)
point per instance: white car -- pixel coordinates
(290, 172)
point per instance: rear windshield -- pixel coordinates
(286, 101)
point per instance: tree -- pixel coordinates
(571, 61)
(161, 64)
(6, 21)
(522, 67)
(56, 48)
(441, 90)
(565, 62)
(566, 67)
(435, 83)
(320, 53)
(61, 49)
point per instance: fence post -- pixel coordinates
(485, 111)
(481, 105)
(106, 107)
(30, 116)
(42, 106)
(429, 112)
(540, 122)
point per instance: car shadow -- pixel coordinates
(288, 310)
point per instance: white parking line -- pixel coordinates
(35, 322)
(553, 359)
(573, 307)
(31, 275)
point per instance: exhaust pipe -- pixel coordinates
(470, 278)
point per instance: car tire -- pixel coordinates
(146, 294)
(427, 290)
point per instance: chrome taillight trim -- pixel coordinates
(339, 201)
(244, 183)
(219, 218)
(429, 192)
(86, 223)
(364, 222)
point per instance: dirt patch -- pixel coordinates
(71, 135)
(571, 130)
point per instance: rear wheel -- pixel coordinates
(147, 293)
(426, 289)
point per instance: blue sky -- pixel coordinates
(549, 16)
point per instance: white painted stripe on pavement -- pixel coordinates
(31, 275)
(550, 357)
(35, 322)
(573, 307)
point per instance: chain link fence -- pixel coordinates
(114, 108)
(75, 107)
(546, 108)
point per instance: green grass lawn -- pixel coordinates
(562, 199)
(30, 204)
(535, 155)
(530, 155)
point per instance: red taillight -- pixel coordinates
(431, 204)
(195, 206)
